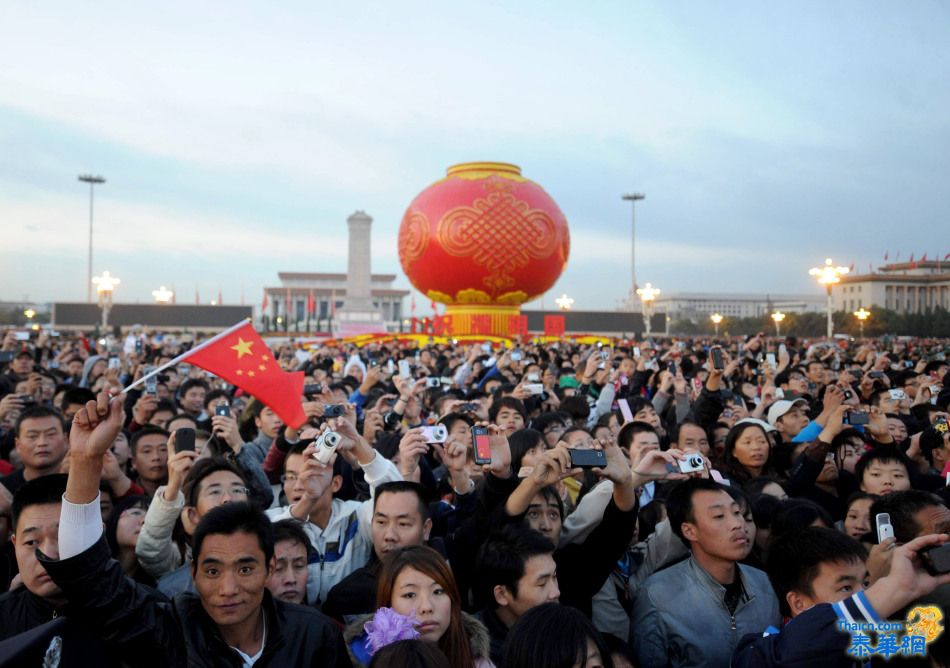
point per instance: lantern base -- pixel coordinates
(482, 319)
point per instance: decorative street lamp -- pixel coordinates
(716, 318)
(828, 275)
(778, 317)
(633, 198)
(862, 314)
(163, 295)
(105, 286)
(647, 295)
(30, 314)
(564, 302)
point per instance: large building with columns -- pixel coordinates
(355, 302)
(904, 287)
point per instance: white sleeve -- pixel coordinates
(80, 526)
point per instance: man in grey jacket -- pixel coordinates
(694, 613)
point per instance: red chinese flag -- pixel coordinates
(311, 303)
(242, 358)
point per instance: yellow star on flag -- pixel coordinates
(262, 367)
(250, 373)
(243, 347)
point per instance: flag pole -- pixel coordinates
(187, 354)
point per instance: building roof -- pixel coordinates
(308, 276)
(339, 292)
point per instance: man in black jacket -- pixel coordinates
(232, 621)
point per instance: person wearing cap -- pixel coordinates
(788, 418)
(935, 445)
(19, 370)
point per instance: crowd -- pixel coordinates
(656, 503)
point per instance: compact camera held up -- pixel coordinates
(326, 445)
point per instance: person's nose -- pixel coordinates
(390, 536)
(555, 593)
(50, 546)
(227, 585)
(425, 604)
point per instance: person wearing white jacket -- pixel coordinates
(340, 531)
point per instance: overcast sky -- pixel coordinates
(237, 137)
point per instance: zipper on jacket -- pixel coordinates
(733, 622)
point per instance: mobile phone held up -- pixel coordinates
(937, 559)
(587, 459)
(884, 528)
(222, 409)
(718, 361)
(185, 439)
(481, 445)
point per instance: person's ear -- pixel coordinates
(502, 595)
(272, 565)
(189, 519)
(798, 602)
(689, 531)
(336, 484)
(426, 529)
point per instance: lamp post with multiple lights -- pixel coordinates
(828, 275)
(777, 318)
(647, 295)
(105, 286)
(633, 198)
(564, 302)
(716, 319)
(862, 314)
(163, 295)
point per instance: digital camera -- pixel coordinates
(692, 464)
(326, 445)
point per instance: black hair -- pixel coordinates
(112, 524)
(201, 469)
(191, 383)
(755, 486)
(679, 502)
(798, 513)
(631, 429)
(414, 653)
(292, 530)
(45, 490)
(146, 430)
(795, 559)
(551, 635)
(883, 454)
(764, 507)
(404, 487)
(675, 436)
(216, 394)
(77, 395)
(545, 420)
(730, 464)
(576, 407)
(448, 421)
(902, 506)
(520, 442)
(232, 518)
(502, 558)
(37, 412)
(507, 402)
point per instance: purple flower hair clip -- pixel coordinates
(388, 626)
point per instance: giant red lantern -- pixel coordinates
(483, 241)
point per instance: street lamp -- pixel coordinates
(716, 318)
(633, 198)
(862, 314)
(778, 317)
(564, 302)
(92, 181)
(647, 294)
(828, 275)
(163, 295)
(105, 286)
(30, 314)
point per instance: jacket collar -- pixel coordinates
(712, 585)
(273, 640)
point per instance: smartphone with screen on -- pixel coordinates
(884, 528)
(481, 445)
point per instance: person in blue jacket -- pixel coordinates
(818, 575)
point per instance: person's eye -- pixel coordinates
(439, 592)
(718, 517)
(404, 525)
(246, 570)
(211, 572)
(409, 595)
(31, 543)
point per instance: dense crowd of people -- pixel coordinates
(690, 502)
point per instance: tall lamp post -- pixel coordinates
(828, 275)
(862, 314)
(647, 295)
(717, 319)
(105, 286)
(633, 198)
(92, 181)
(777, 318)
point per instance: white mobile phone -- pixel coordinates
(404, 368)
(884, 528)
